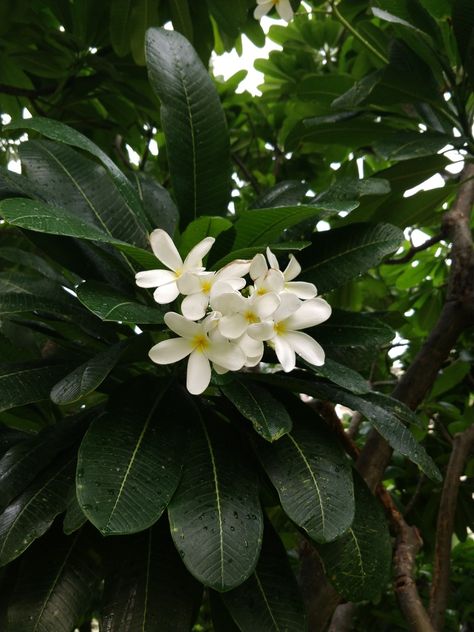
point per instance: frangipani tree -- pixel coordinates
(133, 483)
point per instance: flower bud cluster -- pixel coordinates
(225, 319)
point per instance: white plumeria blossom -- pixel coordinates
(195, 342)
(225, 323)
(166, 281)
(283, 8)
(283, 332)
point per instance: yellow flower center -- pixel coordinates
(200, 342)
(261, 291)
(279, 328)
(251, 317)
(178, 272)
(206, 286)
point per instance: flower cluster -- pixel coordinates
(225, 322)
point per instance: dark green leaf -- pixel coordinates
(342, 376)
(286, 193)
(32, 513)
(463, 24)
(70, 180)
(264, 225)
(120, 11)
(312, 476)
(358, 563)
(110, 305)
(157, 202)
(409, 145)
(181, 18)
(269, 601)
(200, 228)
(56, 585)
(55, 130)
(349, 329)
(74, 517)
(248, 253)
(194, 125)
(148, 587)
(268, 416)
(344, 253)
(129, 461)
(26, 459)
(87, 377)
(382, 414)
(215, 516)
(26, 383)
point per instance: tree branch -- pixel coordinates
(408, 256)
(247, 173)
(462, 446)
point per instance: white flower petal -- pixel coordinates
(284, 10)
(262, 9)
(219, 369)
(154, 278)
(253, 360)
(165, 250)
(266, 305)
(227, 302)
(275, 281)
(169, 351)
(306, 347)
(194, 306)
(191, 283)
(235, 284)
(311, 313)
(250, 346)
(285, 353)
(292, 269)
(272, 260)
(234, 270)
(182, 326)
(166, 293)
(258, 266)
(301, 289)
(289, 305)
(198, 374)
(226, 354)
(196, 254)
(225, 287)
(261, 331)
(233, 326)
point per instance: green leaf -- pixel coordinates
(270, 600)
(120, 11)
(194, 125)
(32, 513)
(14, 185)
(285, 193)
(129, 461)
(199, 229)
(87, 377)
(350, 329)
(217, 524)
(20, 465)
(264, 225)
(181, 18)
(409, 145)
(74, 517)
(157, 202)
(358, 563)
(70, 180)
(55, 130)
(268, 416)
(22, 384)
(339, 255)
(342, 376)
(382, 414)
(56, 585)
(463, 25)
(312, 476)
(449, 377)
(110, 305)
(143, 566)
(350, 133)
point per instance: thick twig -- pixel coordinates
(416, 495)
(408, 256)
(462, 446)
(342, 620)
(247, 173)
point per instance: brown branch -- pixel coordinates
(408, 256)
(247, 173)
(456, 316)
(342, 620)
(462, 446)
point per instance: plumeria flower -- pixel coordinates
(194, 341)
(302, 289)
(166, 281)
(284, 334)
(201, 287)
(239, 312)
(265, 280)
(283, 8)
